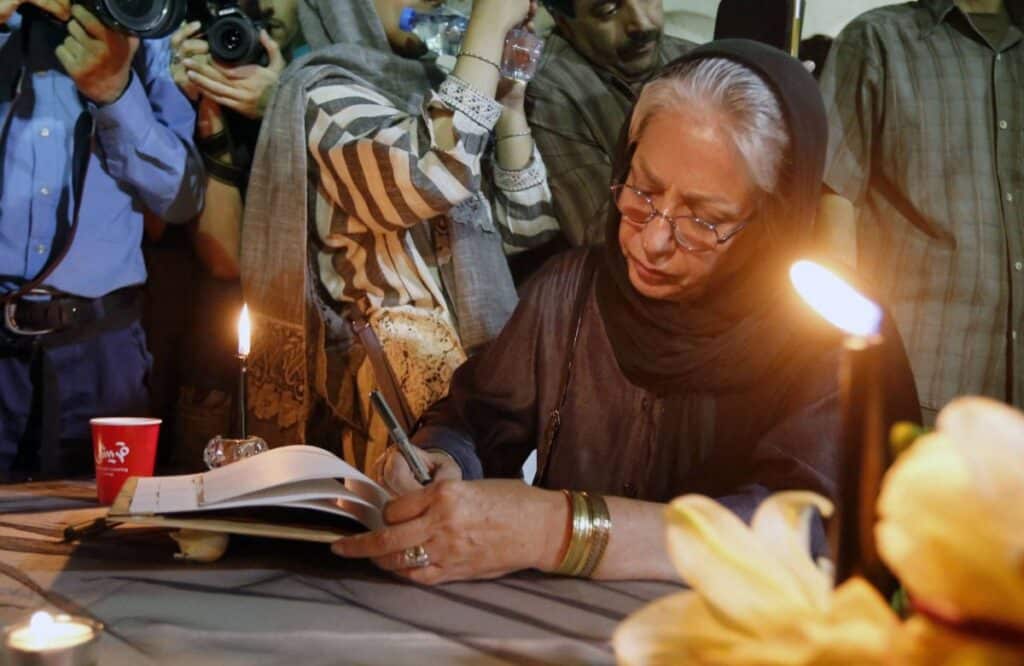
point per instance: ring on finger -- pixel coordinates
(415, 557)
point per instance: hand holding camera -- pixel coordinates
(243, 88)
(97, 58)
(184, 46)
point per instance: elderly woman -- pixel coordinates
(675, 360)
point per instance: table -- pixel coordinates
(282, 602)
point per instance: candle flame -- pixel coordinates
(244, 332)
(41, 623)
(832, 298)
(47, 632)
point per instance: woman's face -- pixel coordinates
(688, 166)
(390, 12)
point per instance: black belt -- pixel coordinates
(63, 318)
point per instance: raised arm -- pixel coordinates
(144, 126)
(389, 168)
(521, 197)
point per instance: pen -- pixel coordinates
(79, 530)
(405, 447)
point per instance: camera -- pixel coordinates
(233, 35)
(149, 19)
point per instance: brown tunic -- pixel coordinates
(617, 438)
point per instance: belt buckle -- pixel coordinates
(11, 323)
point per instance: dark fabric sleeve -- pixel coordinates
(492, 407)
(801, 452)
(852, 84)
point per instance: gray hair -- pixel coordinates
(754, 119)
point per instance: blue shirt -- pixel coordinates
(142, 157)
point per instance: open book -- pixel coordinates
(292, 492)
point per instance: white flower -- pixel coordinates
(952, 517)
(757, 597)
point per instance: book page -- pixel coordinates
(286, 464)
(167, 493)
(277, 476)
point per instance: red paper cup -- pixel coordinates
(122, 446)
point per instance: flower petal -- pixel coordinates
(782, 523)
(722, 559)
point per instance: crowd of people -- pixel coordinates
(392, 224)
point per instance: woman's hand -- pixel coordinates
(392, 471)
(502, 15)
(511, 94)
(184, 47)
(246, 88)
(469, 529)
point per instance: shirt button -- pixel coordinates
(645, 403)
(45, 191)
(1013, 335)
(44, 132)
(1019, 265)
(1009, 196)
(40, 249)
(999, 56)
(1003, 124)
(628, 489)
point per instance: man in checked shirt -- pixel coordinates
(925, 184)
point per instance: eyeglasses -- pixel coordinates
(691, 233)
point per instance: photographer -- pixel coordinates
(230, 99)
(94, 131)
(227, 63)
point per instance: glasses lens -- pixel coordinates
(634, 206)
(693, 235)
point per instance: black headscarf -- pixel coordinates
(747, 325)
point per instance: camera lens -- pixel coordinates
(145, 18)
(233, 39)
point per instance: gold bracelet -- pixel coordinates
(601, 528)
(470, 54)
(513, 135)
(579, 521)
(584, 535)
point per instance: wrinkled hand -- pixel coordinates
(470, 530)
(245, 88)
(391, 471)
(97, 58)
(183, 47)
(60, 9)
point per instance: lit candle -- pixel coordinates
(45, 639)
(863, 451)
(244, 346)
(244, 332)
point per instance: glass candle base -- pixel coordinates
(222, 451)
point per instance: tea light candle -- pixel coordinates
(47, 640)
